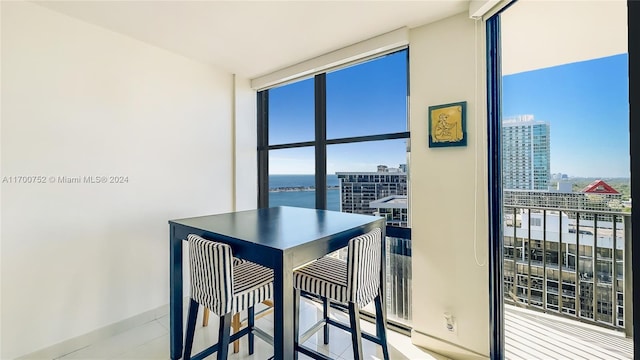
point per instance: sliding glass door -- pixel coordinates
(560, 175)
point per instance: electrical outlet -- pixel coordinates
(450, 323)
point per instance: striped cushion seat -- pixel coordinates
(252, 284)
(326, 277)
(222, 283)
(238, 261)
(355, 280)
(364, 258)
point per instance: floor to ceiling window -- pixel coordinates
(338, 141)
(560, 114)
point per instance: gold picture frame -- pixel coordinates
(447, 125)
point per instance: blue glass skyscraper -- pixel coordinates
(526, 153)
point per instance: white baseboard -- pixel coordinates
(79, 342)
(444, 347)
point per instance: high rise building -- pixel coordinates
(525, 153)
(359, 189)
(384, 193)
(393, 208)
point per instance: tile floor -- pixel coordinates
(151, 341)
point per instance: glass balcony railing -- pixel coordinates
(569, 262)
(398, 290)
(398, 278)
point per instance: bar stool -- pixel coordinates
(355, 282)
(236, 323)
(225, 289)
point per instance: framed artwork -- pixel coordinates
(447, 125)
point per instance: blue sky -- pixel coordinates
(367, 99)
(585, 103)
(587, 106)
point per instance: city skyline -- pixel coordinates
(585, 103)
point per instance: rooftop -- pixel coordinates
(390, 202)
(599, 187)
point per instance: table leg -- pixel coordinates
(283, 337)
(175, 297)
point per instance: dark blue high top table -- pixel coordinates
(281, 238)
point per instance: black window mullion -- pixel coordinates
(263, 149)
(633, 29)
(292, 145)
(389, 136)
(349, 140)
(496, 310)
(320, 82)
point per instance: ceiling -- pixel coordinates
(253, 38)
(573, 31)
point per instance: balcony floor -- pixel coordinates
(535, 335)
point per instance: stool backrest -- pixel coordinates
(363, 267)
(211, 265)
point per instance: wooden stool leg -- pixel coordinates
(235, 325)
(205, 316)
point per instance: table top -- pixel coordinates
(281, 227)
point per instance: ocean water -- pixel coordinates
(300, 191)
(290, 181)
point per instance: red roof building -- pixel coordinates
(599, 187)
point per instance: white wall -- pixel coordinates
(540, 34)
(450, 271)
(78, 100)
(246, 143)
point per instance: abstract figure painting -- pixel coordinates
(447, 125)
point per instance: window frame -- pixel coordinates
(320, 141)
